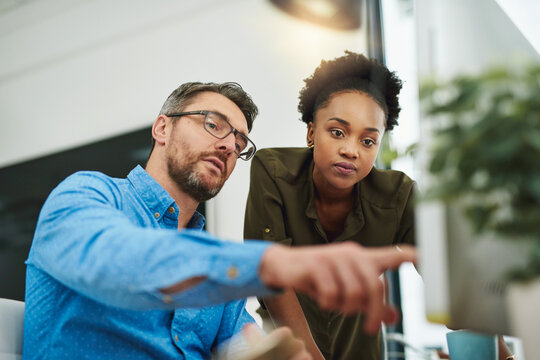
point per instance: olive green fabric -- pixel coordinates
(281, 208)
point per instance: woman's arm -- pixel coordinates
(285, 310)
(504, 351)
(264, 219)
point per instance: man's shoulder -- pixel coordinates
(87, 177)
(284, 162)
(83, 181)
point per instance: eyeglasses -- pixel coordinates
(216, 125)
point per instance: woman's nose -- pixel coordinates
(349, 150)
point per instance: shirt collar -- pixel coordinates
(156, 198)
(197, 221)
(311, 209)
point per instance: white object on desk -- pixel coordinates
(11, 329)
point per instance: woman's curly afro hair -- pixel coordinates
(351, 72)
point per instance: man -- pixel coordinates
(119, 268)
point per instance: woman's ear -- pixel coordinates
(309, 135)
(159, 130)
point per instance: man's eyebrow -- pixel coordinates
(345, 122)
(219, 113)
(229, 121)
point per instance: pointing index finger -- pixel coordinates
(391, 257)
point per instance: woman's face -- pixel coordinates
(346, 135)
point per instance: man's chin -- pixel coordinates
(211, 182)
(199, 185)
(206, 194)
(207, 191)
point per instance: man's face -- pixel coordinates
(198, 162)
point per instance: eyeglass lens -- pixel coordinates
(220, 128)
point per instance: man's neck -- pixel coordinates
(186, 204)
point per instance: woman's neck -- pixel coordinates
(333, 206)
(328, 194)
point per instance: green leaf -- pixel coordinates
(533, 138)
(487, 143)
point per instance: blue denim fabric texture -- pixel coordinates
(103, 248)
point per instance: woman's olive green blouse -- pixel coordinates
(281, 208)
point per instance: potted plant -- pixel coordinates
(485, 157)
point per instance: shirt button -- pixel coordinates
(176, 338)
(171, 210)
(232, 272)
(156, 215)
(267, 230)
(167, 299)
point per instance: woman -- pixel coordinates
(331, 192)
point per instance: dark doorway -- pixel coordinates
(25, 186)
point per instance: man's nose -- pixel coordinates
(227, 144)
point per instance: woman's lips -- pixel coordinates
(345, 168)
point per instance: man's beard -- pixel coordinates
(191, 182)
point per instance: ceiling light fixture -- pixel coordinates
(337, 14)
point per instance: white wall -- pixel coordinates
(466, 36)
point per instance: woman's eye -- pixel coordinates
(368, 142)
(337, 132)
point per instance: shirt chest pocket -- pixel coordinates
(380, 227)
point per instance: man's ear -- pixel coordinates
(159, 130)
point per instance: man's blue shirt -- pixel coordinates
(103, 248)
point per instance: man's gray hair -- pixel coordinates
(180, 98)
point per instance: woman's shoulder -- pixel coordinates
(389, 178)
(284, 162)
(284, 154)
(385, 187)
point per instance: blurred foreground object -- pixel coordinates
(253, 344)
(486, 151)
(484, 166)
